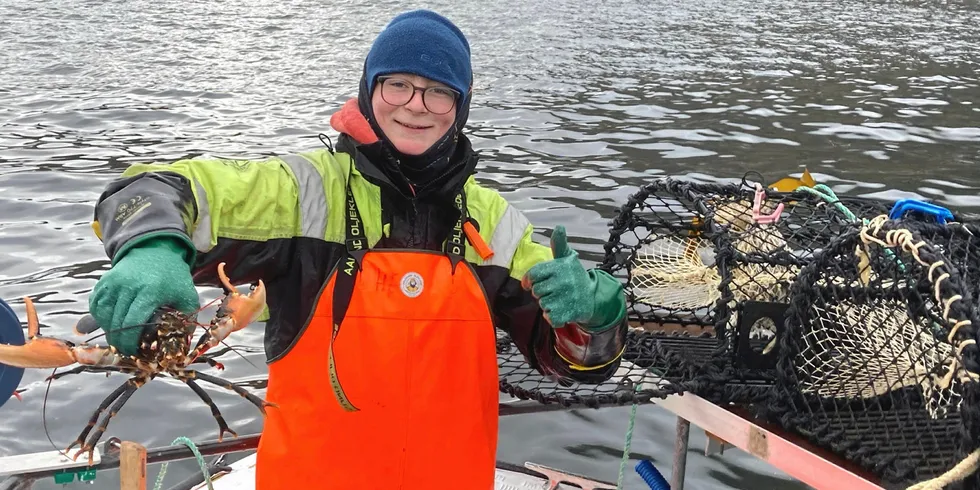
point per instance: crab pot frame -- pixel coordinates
(707, 269)
(878, 360)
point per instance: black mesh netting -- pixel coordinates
(707, 278)
(636, 381)
(878, 355)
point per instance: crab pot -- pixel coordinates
(762, 241)
(663, 221)
(878, 361)
(706, 270)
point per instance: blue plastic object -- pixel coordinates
(649, 473)
(905, 205)
(10, 333)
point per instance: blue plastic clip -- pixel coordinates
(11, 333)
(649, 473)
(905, 205)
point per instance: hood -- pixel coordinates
(349, 120)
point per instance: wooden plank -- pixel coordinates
(132, 466)
(44, 461)
(792, 457)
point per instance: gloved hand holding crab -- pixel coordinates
(153, 337)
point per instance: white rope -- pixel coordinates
(957, 473)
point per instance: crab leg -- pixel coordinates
(44, 352)
(80, 440)
(118, 398)
(258, 402)
(90, 369)
(209, 361)
(222, 425)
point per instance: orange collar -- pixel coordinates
(350, 121)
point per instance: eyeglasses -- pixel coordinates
(398, 91)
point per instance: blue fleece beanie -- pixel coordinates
(423, 43)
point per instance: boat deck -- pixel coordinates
(242, 477)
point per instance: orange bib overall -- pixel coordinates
(393, 383)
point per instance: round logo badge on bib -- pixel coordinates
(412, 284)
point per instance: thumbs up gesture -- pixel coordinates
(563, 288)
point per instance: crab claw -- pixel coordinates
(236, 311)
(45, 352)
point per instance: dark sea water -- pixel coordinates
(577, 104)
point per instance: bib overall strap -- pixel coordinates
(455, 245)
(356, 245)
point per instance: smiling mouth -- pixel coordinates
(413, 126)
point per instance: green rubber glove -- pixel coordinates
(568, 293)
(151, 274)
